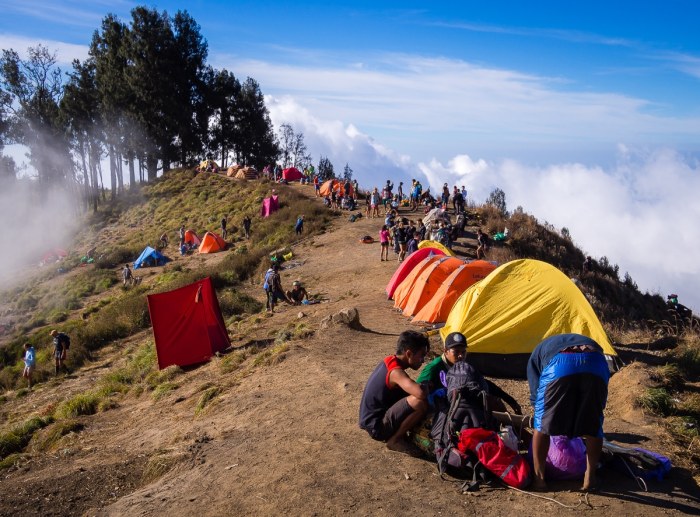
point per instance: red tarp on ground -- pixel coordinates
(270, 205)
(292, 174)
(187, 324)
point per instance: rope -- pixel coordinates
(551, 499)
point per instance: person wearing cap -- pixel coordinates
(393, 403)
(456, 350)
(60, 347)
(298, 294)
(568, 378)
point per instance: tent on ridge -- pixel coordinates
(437, 308)
(211, 243)
(205, 164)
(292, 174)
(508, 313)
(192, 238)
(232, 171)
(247, 173)
(150, 257)
(436, 245)
(407, 266)
(404, 289)
(331, 185)
(426, 284)
(187, 324)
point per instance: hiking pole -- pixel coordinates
(514, 420)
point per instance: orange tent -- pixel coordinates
(328, 186)
(192, 238)
(404, 289)
(437, 308)
(428, 282)
(211, 243)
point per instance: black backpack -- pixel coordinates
(463, 408)
(64, 339)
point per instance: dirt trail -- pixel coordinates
(284, 439)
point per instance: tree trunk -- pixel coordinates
(152, 166)
(120, 172)
(132, 172)
(113, 172)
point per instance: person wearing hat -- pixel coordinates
(61, 342)
(456, 350)
(298, 294)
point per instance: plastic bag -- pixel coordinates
(566, 458)
(510, 439)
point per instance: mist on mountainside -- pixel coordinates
(33, 224)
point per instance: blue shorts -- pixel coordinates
(572, 394)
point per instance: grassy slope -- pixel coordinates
(89, 302)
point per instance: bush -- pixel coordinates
(657, 400)
(82, 404)
(17, 438)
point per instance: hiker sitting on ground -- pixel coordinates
(164, 240)
(298, 294)
(392, 403)
(456, 351)
(568, 377)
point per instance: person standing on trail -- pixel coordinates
(273, 287)
(223, 227)
(61, 342)
(393, 403)
(299, 226)
(182, 235)
(127, 276)
(29, 363)
(246, 227)
(568, 377)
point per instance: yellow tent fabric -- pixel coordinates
(508, 313)
(437, 245)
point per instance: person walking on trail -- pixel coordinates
(393, 403)
(61, 342)
(568, 378)
(29, 363)
(482, 242)
(182, 235)
(223, 227)
(127, 275)
(246, 227)
(273, 288)
(299, 226)
(384, 238)
(374, 202)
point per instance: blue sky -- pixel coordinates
(586, 114)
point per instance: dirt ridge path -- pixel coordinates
(283, 439)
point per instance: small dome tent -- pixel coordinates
(211, 243)
(508, 313)
(407, 266)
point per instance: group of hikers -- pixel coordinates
(274, 291)
(61, 345)
(567, 376)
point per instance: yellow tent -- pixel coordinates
(508, 313)
(436, 245)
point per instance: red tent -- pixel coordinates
(292, 174)
(187, 324)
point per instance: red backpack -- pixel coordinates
(493, 454)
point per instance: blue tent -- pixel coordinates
(150, 257)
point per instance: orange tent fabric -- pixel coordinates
(406, 286)
(428, 282)
(328, 186)
(211, 243)
(192, 238)
(437, 308)
(407, 266)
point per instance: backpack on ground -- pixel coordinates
(508, 465)
(462, 408)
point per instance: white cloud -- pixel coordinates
(65, 52)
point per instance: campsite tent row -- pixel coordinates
(504, 312)
(334, 185)
(210, 243)
(242, 173)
